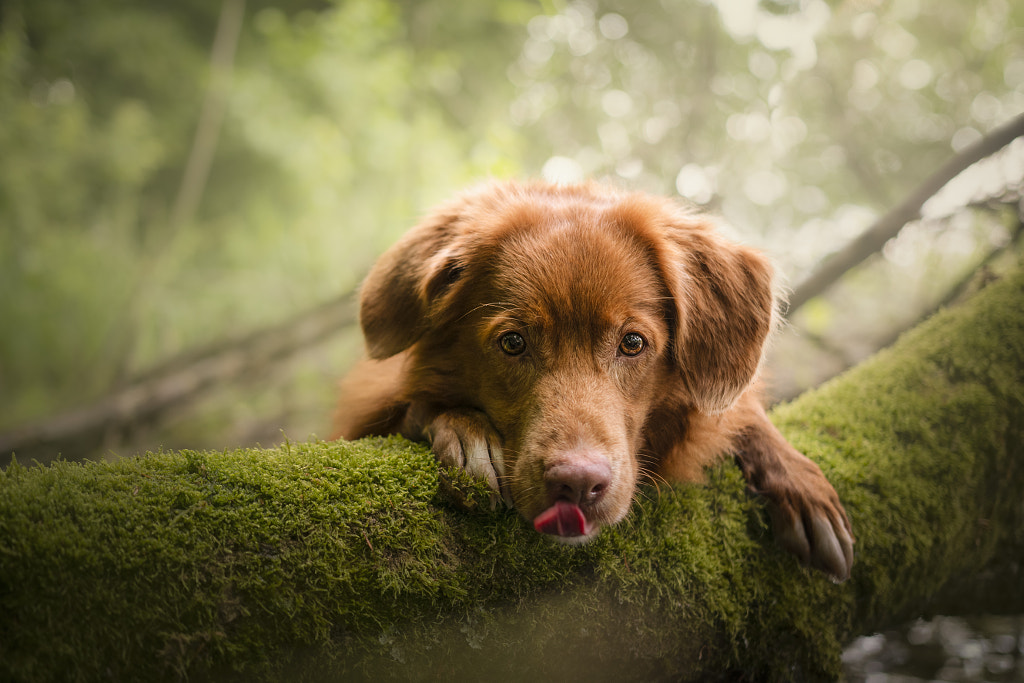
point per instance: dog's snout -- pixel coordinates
(581, 480)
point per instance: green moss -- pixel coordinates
(924, 445)
(317, 560)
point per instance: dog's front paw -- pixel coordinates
(465, 440)
(810, 522)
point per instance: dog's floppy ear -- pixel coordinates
(725, 309)
(396, 296)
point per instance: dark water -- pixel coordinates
(942, 649)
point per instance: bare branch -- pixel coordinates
(176, 382)
(889, 225)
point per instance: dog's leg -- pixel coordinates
(807, 517)
(462, 438)
(369, 402)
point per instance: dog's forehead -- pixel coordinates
(575, 263)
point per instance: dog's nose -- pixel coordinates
(580, 480)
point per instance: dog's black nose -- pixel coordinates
(581, 479)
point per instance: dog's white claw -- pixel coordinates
(497, 458)
(484, 461)
(466, 440)
(478, 461)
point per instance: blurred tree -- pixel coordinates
(343, 120)
(796, 118)
(800, 121)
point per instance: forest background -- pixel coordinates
(173, 176)
(180, 182)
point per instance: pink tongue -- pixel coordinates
(561, 519)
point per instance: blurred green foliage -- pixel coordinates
(792, 118)
(797, 120)
(344, 121)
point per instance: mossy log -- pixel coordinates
(328, 561)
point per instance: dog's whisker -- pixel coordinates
(656, 479)
(493, 304)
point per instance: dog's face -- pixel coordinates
(565, 315)
(564, 347)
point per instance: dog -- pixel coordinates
(563, 342)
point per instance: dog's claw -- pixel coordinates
(833, 548)
(819, 539)
(790, 534)
(466, 440)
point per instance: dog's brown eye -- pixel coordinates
(512, 343)
(632, 344)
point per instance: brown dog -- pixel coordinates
(561, 342)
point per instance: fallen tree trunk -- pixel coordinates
(321, 561)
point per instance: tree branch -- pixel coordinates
(888, 226)
(183, 379)
(340, 561)
(955, 292)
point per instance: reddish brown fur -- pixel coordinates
(574, 270)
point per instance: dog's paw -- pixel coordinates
(810, 522)
(465, 440)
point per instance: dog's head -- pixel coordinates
(567, 315)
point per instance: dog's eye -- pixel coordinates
(632, 344)
(454, 273)
(512, 343)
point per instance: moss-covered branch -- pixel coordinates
(315, 560)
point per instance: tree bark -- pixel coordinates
(341, 560)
